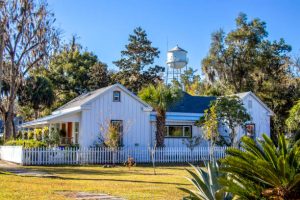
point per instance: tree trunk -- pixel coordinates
(8, 118)
(232, 138)
(36, 113)
(160, 128)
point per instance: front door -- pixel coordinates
(69, 134)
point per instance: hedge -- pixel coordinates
(26, 143)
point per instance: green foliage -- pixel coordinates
(54, 137)
(227, 110)
(74, 72)
(46, 131)
(205, 183)
(192, 82)
(99, 76)
(37, 134)
(263, 170)
(160, 97)
(293, 120)
(135, 63)
(37, 93)
(209, 122)
(30, 134)
(245, 60)
(231, 112)
(26, 143)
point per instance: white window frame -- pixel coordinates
(183, 131)
(75, 132)
(116, 92)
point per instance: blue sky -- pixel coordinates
(104, 26)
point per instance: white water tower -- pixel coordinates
(176, 63)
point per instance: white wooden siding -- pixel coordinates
(260, 116)
(101, 110)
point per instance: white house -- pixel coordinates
(87, 117)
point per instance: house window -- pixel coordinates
(76, 132)
(175, 131)
(116, 96)
(250, 130)
(118, 124)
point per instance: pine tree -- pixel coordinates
(136, 62)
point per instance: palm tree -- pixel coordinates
(263, 170)
(206, 185)
(160, 97)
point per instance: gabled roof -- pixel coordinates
(86, 98)
(82, 99)
(191, 104)
(243, 95)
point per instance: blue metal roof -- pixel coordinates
(191, 104)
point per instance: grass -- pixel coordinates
(137, 183)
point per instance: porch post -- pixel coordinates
(43, 135)
(22, 131)
(50, 129)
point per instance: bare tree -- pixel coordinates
(27, 38)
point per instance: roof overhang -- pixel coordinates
(50, 118)
(178, 116)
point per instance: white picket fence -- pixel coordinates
(76, 156)
(11, 154)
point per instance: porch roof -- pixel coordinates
(47, 120)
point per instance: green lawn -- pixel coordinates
(138, 183)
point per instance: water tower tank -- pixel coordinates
(177, 58)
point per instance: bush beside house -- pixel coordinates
(26, 143)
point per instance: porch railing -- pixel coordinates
(66, 140)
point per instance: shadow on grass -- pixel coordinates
(118, 171)
(117, 180)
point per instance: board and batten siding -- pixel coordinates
(99, 112)
(260, 115)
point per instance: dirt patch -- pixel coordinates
(89, 196)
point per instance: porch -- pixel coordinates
(63, 125)
(68, 132)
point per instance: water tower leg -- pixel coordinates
(167, 77)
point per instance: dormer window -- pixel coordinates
(116, 96)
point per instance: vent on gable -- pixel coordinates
(249, 103)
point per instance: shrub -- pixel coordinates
(46, 131)
(38, 134)
(30, 135)
(26, 143)
(53, 137)
(205, 183)
(25, 135)
(263, 169)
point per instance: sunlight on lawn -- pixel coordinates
(137, 183)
